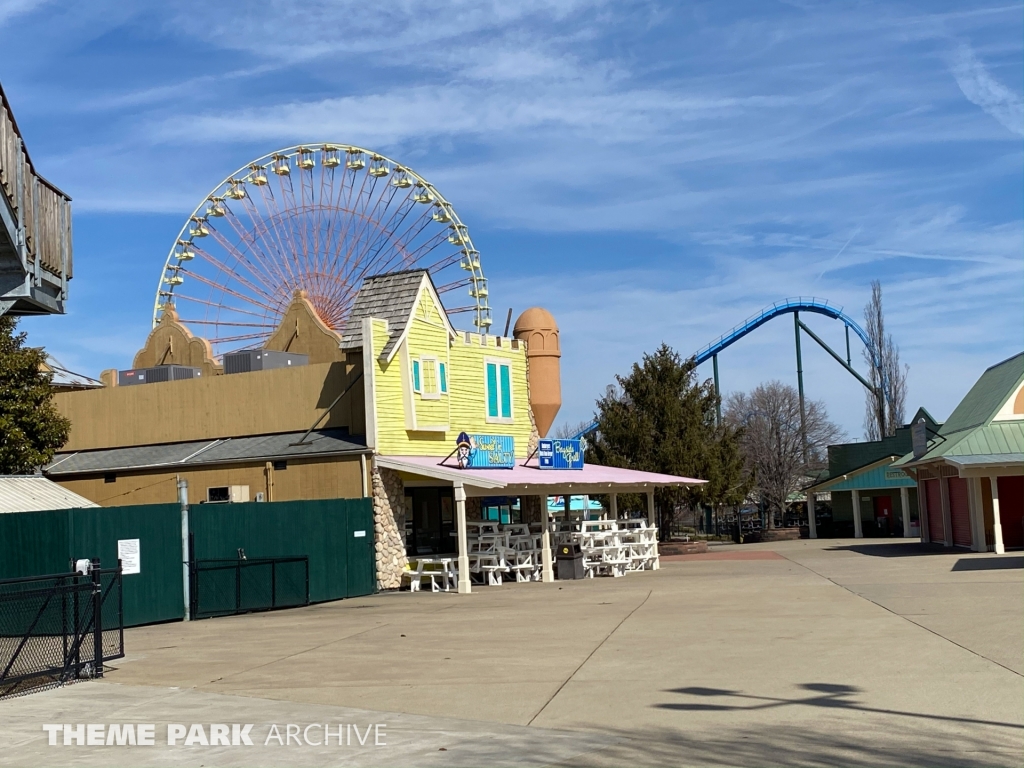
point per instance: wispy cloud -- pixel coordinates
(982, 89)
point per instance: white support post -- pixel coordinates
(997, 526)
(614, 506)
(651, 517)
(977, 507)
(905, 504)
(812, 523)
(858, 525)
(185, 581)
(465, 587)
(547, 571)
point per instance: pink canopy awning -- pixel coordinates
(532, 480)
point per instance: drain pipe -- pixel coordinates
(183, 500)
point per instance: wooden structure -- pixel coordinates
(35, 230)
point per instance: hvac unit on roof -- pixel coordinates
(261, 360)
(157, 374)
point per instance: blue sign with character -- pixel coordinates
(485, 451)
(560, 454)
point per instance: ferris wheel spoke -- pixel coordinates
(232, 274)
(385, 234)
(288, 196)
(231, 291)
(243, 337)
(268, 236)
(284, 236)
(355, 222)
(241, 260)
(253, 243)
(270, 204)
(209, 303)
(454, 285)
(227, 322)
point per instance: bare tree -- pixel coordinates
(885, 407)
(772, 443)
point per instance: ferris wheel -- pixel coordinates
(319, 218)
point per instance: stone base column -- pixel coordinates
(389, 527)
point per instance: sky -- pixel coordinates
(649, 172)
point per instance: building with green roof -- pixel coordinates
(970, 475)
(870, 497)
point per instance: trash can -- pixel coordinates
(570, 561)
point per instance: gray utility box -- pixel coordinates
(157, 374)
(261, 360)
(570, 562)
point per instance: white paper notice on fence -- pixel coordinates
(128, 554)
(359, 534)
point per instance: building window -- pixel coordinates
(110, 478)
(429, 378)
(281, 464)
(499, 390)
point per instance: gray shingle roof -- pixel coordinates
(327, 442)
(388, 297)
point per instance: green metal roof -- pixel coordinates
(986, 396)
(969, 431)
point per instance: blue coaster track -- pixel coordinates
(787, 306)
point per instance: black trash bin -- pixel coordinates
(570, 561)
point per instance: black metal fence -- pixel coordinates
(226, 587)
(58, 628)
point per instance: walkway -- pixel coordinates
(838, 652)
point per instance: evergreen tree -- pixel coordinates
(661, 419)
(31, 429)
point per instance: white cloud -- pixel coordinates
(982, 89)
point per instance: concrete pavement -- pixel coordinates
(836, 652)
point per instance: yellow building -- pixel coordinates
(400, 406)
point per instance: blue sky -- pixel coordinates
(647, 171)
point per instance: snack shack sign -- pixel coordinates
(560, 454)
(485, 451)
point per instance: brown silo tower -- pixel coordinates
(539, 330)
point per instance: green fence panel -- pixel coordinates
(339, 564)
(155, 593)
(34, 543)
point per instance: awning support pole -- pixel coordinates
(812, 518)
(614, 506)
(905, 503)
(651, 518)
(997, 526)
(465, 587)
(547, 571)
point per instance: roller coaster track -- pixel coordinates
(788, 306)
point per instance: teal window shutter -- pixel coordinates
(443, 376)
(492, 390)
(415, 375)
(506, 392)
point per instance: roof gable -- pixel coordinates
(389, 297)
(394, 298)
(986, 397)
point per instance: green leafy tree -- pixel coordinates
(660, 418)
(31, 429)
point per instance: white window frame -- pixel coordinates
(499, 419)
(432, 360)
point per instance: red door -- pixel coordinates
(959, 512)
(933, 499)
(883, 515)
(1011, 510)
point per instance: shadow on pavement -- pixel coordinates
(927, 746)
(901, 549)
(988, 563)
(823, 695)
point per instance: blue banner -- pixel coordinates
(485, 451)
(560, 454)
